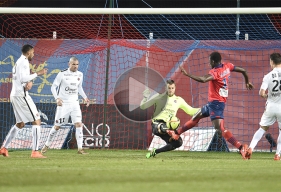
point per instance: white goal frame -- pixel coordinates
(238, 10)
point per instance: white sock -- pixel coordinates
(11, 135)
(36, 133)
(257, 136)
(278, 150)
(79, 137)
(51, 136)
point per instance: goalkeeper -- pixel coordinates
(166, 106)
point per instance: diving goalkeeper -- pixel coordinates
(166, 106)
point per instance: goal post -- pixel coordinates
(181, 36)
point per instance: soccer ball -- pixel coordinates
(173, 123)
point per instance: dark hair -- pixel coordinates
(216, 57)
(170, 82)
(276, 58)
(26, 48)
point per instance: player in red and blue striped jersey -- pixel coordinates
(217, 95)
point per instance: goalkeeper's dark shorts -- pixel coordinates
(165, 136)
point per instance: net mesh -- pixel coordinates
(185, 40)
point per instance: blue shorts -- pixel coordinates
(213, 109)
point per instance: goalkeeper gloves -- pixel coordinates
(146, 93)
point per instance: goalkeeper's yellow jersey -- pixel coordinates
(166, 107)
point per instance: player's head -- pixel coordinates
(171, 87)
(275, 59)
(73, 64)
(28, 51)
(215, 59)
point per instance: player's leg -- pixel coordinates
(32, 115)
(171, 144)
(61, 117)
(267, 119)
(278, 150)
(202, 113)
(76, 116)
(14, 130)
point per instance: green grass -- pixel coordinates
(129, 170)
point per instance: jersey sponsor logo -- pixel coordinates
(225, 72)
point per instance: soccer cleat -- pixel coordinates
(44, 149)
(4, 152)
(37, 154)
(82, 152)
(173, 134)
(152, 153)
(248, 154)
(243, 151)
(276, 157)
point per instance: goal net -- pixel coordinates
(178, 40)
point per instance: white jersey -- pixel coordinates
(21, 75)
(67, 85)
(272, 83)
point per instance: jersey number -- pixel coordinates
(276, 86)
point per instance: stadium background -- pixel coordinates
(180, 39)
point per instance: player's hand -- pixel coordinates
(183, 70)
(28, 85)
(249, 86)
(146, 93)
(87, 101)
(59, 102)
(42, 72)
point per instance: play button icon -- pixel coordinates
(129, 88)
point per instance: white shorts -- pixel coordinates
(271, 115)
(68, 110)
(24, 108)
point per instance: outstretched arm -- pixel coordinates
(201, 79)
(249, 85)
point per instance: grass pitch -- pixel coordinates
(129, 170)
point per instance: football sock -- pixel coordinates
(257, 136)
(79, 137)
(11, 135)
(231, 139)
(51, 136)
(278, 150)
(188, 125)
(36, 133)
(168, 147)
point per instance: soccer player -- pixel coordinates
(218, 92)
(65, 89)
(162, 113)
(270, 90)
(24, 108)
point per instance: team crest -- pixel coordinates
(175, 101)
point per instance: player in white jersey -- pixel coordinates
(270, 90)
(65, 89)
(23, 105)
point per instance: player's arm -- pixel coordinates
(82, 92)
(263, 88)
(187, 108)
(201, 79)
(54, 86)
(146, 103)
(249, 85)
(26, 76)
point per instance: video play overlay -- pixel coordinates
(129, 92)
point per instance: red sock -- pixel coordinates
(231, 139)
(188, 125)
